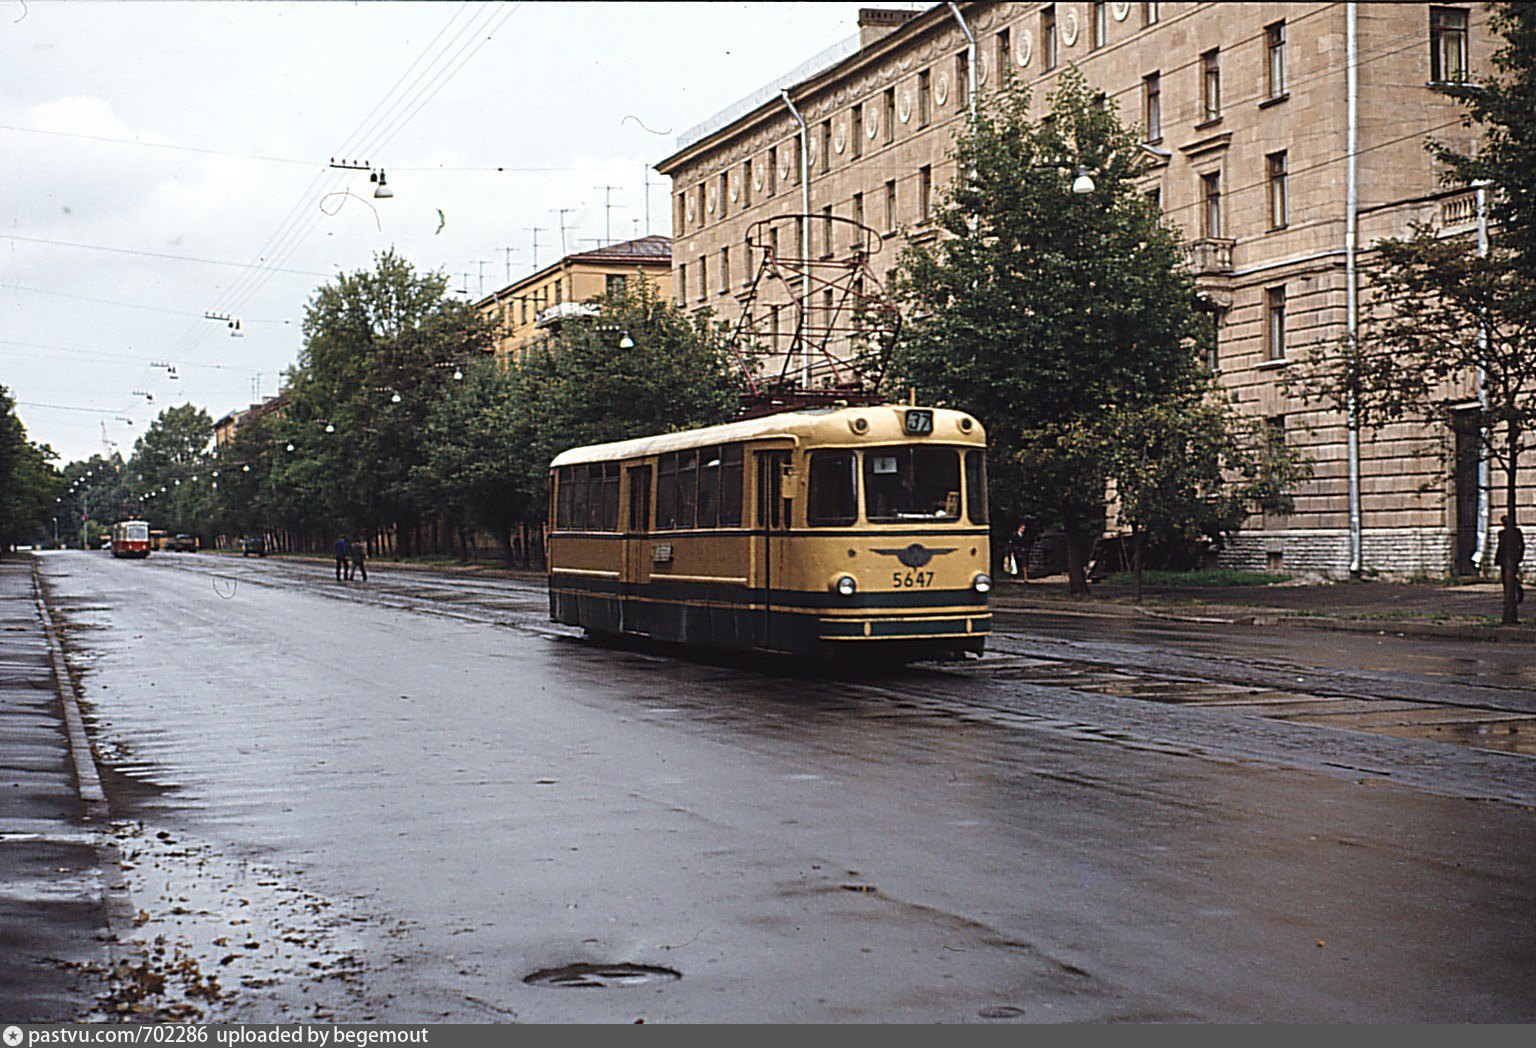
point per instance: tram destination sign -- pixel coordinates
(919, 422)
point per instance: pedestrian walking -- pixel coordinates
(359, 554)
(1510, 552)
(343, 562)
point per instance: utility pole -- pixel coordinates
(608, 211)
(536, 230)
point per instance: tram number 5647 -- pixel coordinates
(911, 579)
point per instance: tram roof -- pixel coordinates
(830, 426)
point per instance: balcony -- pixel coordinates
(1459, 210)
(1209, 256)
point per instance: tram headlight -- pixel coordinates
(982, 583)
(846, 585)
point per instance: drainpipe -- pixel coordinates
(1484, 480)
(970, 59)
(805, 235)
(1352, 279)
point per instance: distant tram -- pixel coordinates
(822, 532)
(130, 538)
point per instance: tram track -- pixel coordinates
(1034, 680)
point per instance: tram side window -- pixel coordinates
(911, 483)
(730, 486)
(610, 497)
(687, 488)
(564, 494)
(581, 499)
(976, 486)
(833, 498)
(709, 487)
(666, 493)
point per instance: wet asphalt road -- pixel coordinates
(397, 801)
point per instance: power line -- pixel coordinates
(145, 254)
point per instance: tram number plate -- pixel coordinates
(919, 423)
(911, 579)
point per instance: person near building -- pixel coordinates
(1510, 552)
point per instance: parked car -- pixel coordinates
(184, 544)
(253, 544)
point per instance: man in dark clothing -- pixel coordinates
(1510, 552)
(359, 551)
(343, 564)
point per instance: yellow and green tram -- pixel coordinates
(823, 532)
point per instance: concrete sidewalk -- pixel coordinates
(54, 938)
(1421, 609)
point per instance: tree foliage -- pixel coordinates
(29, 483)
(1048, 313)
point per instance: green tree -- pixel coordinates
(174, 455)
(1185, 467)
(379, 349)
(1043, 311)
(584, 387)
(29, 483)
(1443, 318)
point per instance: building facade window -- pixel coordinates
(725, 194)
(1277, 177)
(1447, 44)
(1048, 38)
(797, 158)
(703, 276)
(1210, 199)
(925, 192)
(962, 80)
(746, 182)
(856, 135)
(1274, 323)
(858, 213)
(1002, 57)
(703, 215)
(826, 231)
(725, 270)
(771, 176)
(1155, 198)
(890, 206)
(680, 211)
(1152, 106)
(889, 116)
(1150, 13)
(1210, 85)
(826, 145)
(1098, 22)
(924, 98)
(1274, 69)
(614, 284)
(682, 283)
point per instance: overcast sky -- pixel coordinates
(160, 161)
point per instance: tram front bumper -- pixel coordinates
(953, 626)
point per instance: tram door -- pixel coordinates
(636, 569)
(771, 525)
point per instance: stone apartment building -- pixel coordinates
(540, 301)
(1249, 111)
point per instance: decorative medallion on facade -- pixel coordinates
(757, 180)
(1069, 27)
(981, 69)
(840, 138)
(941, 89)
(904, 107)
(1024, 50)
(1120, 11)
(692, 211)
(810, 152)
(871, 124)
(713, 199)
(784, 165)
(735, 190)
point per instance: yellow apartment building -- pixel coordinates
(536, 304)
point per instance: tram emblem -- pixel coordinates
(915, 555)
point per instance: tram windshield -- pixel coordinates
(911, 483)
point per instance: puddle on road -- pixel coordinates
(601, 976)
(221, 938)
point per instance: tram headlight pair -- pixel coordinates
(846, 585)
(982, 583)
